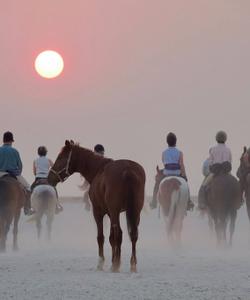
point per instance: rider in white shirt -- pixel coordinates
(220, 160)
(41, 167)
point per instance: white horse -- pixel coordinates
(43, 200)
(173, 197)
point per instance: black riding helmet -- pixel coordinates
(8, 137)
(99, 148)
(171, 139)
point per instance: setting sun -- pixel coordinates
(49, 64)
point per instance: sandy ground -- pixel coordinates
(65, 268)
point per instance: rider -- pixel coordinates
(10, 162)
(99, 150)
(173, 162)
(41, 166)
(220, 160)
(244, 170)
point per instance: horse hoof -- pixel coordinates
(115, 269)
(133, 269)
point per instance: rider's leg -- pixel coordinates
(158, 179)
(59, 207)
(27, 205)
(202, 196)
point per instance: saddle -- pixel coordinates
(7, 174)
(42, 181)
(220, 169)
(39, 181)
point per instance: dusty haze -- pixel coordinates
(134, 70)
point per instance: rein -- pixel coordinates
(65, 169)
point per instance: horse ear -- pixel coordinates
(244, 149)
(157, 169)
(72, 142)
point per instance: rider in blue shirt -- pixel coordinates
(10, 162)
(172, 159)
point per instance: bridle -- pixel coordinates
(65, 169)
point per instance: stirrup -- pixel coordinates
(153, 204)
(190, 205)
(28, 211)
(59, 208)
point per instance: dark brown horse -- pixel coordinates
(223, 200)
(115, 186)
(244, 176)
(11, 201)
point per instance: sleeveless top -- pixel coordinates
(171, 161)
(42, 166)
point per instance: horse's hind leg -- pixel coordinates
(38, 225)
(2, 235)
(115, 239)
(15, 230)
(100, 239)
(134, 238)
(50, 218)
(232, 226)
(49, 227)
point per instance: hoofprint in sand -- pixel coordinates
(65, 268)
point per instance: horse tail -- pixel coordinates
(174, 200)
(178, 206)
(132, 209)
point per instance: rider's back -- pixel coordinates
(10, 160)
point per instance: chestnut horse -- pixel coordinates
(244, 176)
(115, 186)
(11, 201)
(173, 197)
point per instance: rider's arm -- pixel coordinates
(210, 158)
(230, 156)
(183, 171)
(162, 159)
(51, 163)
(34, 168)
(19, 163)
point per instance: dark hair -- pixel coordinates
(99, 148)
(8, 137)
(42, 151)
(221, 137)
(171, 139)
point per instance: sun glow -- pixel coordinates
(49, 64)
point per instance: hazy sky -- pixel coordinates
(134, 70)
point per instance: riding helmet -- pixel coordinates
(8, 137)
(221, 137)
(99, 148)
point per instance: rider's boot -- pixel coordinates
(202, 198)
(27, 209)
(190, 204)
(153, 203)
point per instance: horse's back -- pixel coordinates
(173, 184)
(43, 196)
(120, 181)
(173, 191)
(11, 193)
(224, 192)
